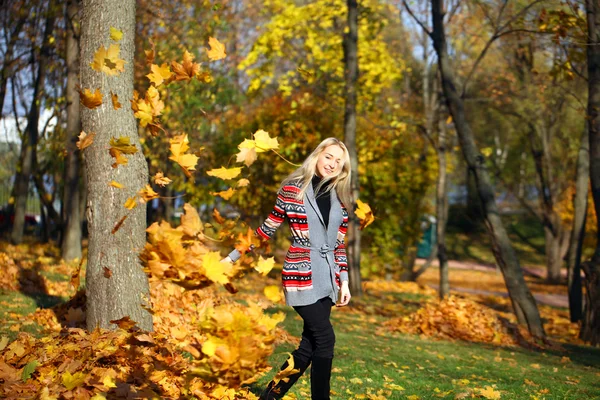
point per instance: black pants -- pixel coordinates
(318, 338)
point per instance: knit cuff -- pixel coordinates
(344, 276)
(235, 255)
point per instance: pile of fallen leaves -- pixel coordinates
(378, 286)
(454, 318)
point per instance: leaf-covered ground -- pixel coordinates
(395, 342)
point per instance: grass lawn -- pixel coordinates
(397, 366)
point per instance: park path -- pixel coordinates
(554, 300)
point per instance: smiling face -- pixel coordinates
(330, 161)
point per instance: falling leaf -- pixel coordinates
(116, 185)
(225, 194)
(247, 156)
(124, 323)
(122, 144)
(147, 194)
(75, 276)
(118, 224)
(225, 173)
(161, 180)
(179, 147)
(116, 34)
(187, 70)
(159, 74)
(107, 272)
(150, 54)
(89, 99)
(364, 214)
(217, 216)
(108, 61)
(265, 265)
(191, 224)
(273, 293)
(217, 49)
(284, 374)
(247, 241)
(264, 142)
(85, 140)
(130, 204)
(214, 269)
(115, 101)
(243, 182)
(120, 159)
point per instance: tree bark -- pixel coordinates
(590, 327)
(576, 245)
(441, 207)
(351, 76)
(71, 238)
(115, 283)
(522, 300)
(30, 140)
(7, 65)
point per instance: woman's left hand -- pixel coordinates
(344, 295)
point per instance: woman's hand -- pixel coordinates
(227, 260)
(344, 295)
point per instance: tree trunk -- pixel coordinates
(7, 65)
(576, 245)
(29, 144)
(441, 208)
(557, 245)
(71, 237)
(523, 302)
(590, 328)
(351, 75)
(115, 283)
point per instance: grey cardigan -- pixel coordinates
(311, 270)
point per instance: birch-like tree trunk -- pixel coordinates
(71, 237)
(115, 283)
(523, 301)
(351, 75)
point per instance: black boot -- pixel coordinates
(320, 375)
(276, 390)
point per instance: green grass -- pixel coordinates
(14, 305)
(441, 369)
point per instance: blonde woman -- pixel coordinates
(315, 273)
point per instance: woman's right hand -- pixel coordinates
(227, 260)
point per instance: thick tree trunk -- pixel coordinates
(523, 302)
(557, 245)
(441, 207)
(115, 283)
(580, 210)
(351, 74)
(590, 328)
(29, 144)
(71, 237)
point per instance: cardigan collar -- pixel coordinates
(336, 207)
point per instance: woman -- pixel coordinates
(315, 272)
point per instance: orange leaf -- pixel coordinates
(108, 61)
(118, 224)
(130, 204)
(187, 69)
(159, 74)
(161, 180)
(217, 216)
(124, 323)
(217, 49)
(225, 194)
(85, 140)
(89, 99)
(107, 272)
(115, 101)
(148, 194)
(120, 159)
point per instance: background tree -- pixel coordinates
(115, 282)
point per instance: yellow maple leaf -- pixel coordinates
(264, 142)
(364, 214)
(242, 182)
(159, 74)
(187, 69)
(130, 204)
(178, 146)
(116, 185)
(246, 155)
(144, 113)
(214, 269)
(120, 159)
(284, 374)
(265, 265)
(115, 101)
(225, 173)
(109, 381)
(89, 99)
(161, 180)
(108, 61)
(116, 34)
(217, 49)
(272, 293)
(72, 381)
(147, 194)
(122, 144)
(85, 140)
(490, 393)
(225, 194)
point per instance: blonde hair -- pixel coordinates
(340, 183)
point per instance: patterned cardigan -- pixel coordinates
(297, 268)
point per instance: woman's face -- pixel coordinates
(330, 161)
